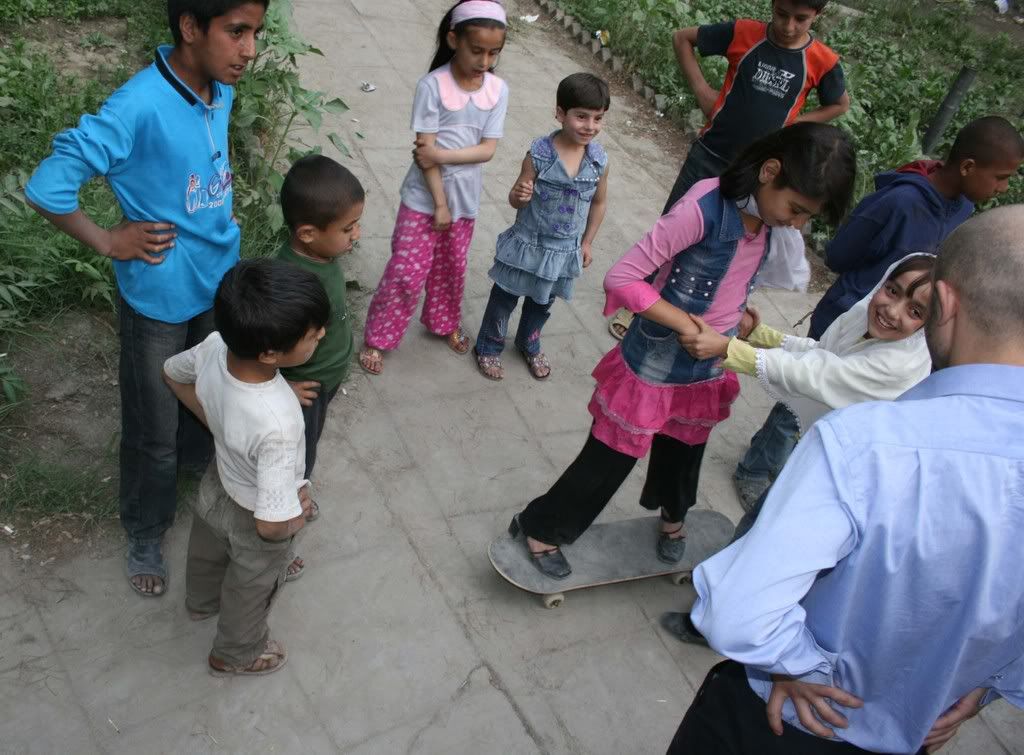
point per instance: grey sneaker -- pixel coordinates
(750, 491)
(671, 549)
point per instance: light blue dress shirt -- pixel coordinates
(888, 559)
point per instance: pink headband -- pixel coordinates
(473, 9)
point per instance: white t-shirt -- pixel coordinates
(257, 428)
(460, 119)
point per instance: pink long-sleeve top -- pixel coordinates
(679, 229)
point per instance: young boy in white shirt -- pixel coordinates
(268, 315)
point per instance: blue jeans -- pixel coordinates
(490, 341)
(315, 417)
(157, 434)
(770, 447)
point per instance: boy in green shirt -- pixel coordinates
(322, 204)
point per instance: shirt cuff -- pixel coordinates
(766, 337)
(741, 357)
(636, 297)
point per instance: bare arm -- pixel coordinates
(598, 207)
(432, 177)
(277, 531)
(430, 153)
(670, 316)
(186, 394)
(125, 241)
(684, 41)
(826, 113)
(522, 191)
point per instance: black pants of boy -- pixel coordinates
(573, 503)
(158, 435)
(315, 417)
(728, 718)
(700, 163)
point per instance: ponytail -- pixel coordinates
(817, 160)
(445, 53)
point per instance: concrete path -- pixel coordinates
(402, 638)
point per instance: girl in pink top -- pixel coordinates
(458, 116)
(652, 395)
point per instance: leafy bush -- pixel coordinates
(899, 57)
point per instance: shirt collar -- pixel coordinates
(999, 381)
(165, 69)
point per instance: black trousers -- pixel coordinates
(315, 417)
(573, 503)
(728, 718)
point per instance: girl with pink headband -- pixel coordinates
(458, 115)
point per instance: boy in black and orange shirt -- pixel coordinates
(772, 68)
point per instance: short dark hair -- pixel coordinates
(266, 305)
(583, 90)
(919, 263)
(987, 141)
(815, 5)
(818, 161)
(317, 191)
(203, 11)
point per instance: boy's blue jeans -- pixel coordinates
(157, 434)
(770, 447)
(490, 341)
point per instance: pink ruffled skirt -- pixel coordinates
(628, 411)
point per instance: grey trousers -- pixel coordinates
(233, 571)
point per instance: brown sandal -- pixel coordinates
(272, 659)
(490, 366)
(538, 365)
(458, 341)
(371, 360)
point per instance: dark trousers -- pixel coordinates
(490, 340)
(699, 164)
(728, 718)
(573, 503)
(315, 417)
(157, 434)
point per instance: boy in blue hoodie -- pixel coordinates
(161, 141)
(913, 209)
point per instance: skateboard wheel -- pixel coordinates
(553, 601)
(681, 578)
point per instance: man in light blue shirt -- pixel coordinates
(879, 598)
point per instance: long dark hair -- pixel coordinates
(817, 160)
(444, 53)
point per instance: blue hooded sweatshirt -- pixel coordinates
(164, 152)
(905, 214)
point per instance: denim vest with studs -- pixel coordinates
(652, 351)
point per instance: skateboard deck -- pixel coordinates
(612, 552)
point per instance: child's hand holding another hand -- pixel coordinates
(306, 391)
(750, 320)
(706, 343)
(425, 153)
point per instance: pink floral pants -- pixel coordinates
(420, 256)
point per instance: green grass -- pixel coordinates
(40, 485)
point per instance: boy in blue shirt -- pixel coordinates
(161, 141)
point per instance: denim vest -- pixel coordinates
(652, 351)
(561, 204)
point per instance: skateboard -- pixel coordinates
(612, 552)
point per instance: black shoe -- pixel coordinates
(680, 626)
(551, 563)
(671, 549)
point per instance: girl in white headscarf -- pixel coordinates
(875, 351)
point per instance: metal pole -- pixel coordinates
(948, 108)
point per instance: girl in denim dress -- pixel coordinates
(560, 195)
(652, 394)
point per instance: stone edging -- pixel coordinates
(615, 62)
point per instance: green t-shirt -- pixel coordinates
(332, 359)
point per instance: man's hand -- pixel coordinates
(522, 193)
(306, 391)
(706, 343)
(809, 699)
(750, 320)
(425, 154)
(442, 218)
(588, 255)
(949, 722)
(139, 241)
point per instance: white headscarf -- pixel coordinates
(845, 367)
(786, 263)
